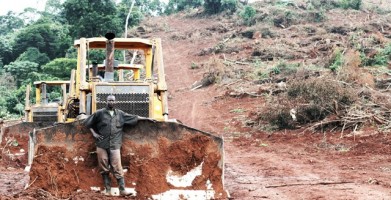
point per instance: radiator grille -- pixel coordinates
(49, 116)
(127, 100)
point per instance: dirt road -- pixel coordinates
(306, 167)
(278, 165)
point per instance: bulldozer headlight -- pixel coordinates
(158, 107)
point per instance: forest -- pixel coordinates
(38, 45)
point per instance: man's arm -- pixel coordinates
(96, 135)
(89, 123)
(146, 118)
(133, 119)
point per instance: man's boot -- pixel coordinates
(107, 182)
(122, 190)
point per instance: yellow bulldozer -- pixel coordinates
(162, 160)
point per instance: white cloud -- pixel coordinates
(18, 6)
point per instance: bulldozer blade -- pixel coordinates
(162, 160)
(17, 130)
(14, 141)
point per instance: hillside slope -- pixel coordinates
(264, 164)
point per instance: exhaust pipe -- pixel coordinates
(94, 69)
(109, 64)
(44, 98)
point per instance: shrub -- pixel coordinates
(317, 16)
(276, 70)
(285, 68)
(248, 15)
(217, 70)
(317, 98)
(282, 17)
(353, 4)
(229, 5)
(381, 58)
(312, 99)
(337, 60)
(323, 4)
(194, 65)
(212, 6)
(310, 113)
(266, 33)
(285, 3)
(352, 73)
(278, 115)
(320, 91)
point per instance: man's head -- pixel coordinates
(110, 101)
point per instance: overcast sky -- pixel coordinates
(18, 6)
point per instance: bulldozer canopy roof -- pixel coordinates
(51, 82)
(120, 66)
(119, 43)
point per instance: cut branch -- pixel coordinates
(31, 183)
(77, 177)
(300, 184)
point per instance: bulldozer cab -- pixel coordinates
(124, 72)
(137, 91)
(47, 108)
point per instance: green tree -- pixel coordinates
(45, 35)
(148, 7)
(180, 5)
(32, 54)
(135, 16)
(11, 97)
(21, 70)
(53, 10)
(7, 93)
(10, 101)
(212, 6)
(216, 6)
(29, 15)
(229, 5)
(5, 51)
(10, 22)
(171, 7)
(60, 68)
(40, 76)
(91, 18)
(19, 107)
(15, 101)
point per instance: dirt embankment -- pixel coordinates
(66, 164)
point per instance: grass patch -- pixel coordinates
(237, 110)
